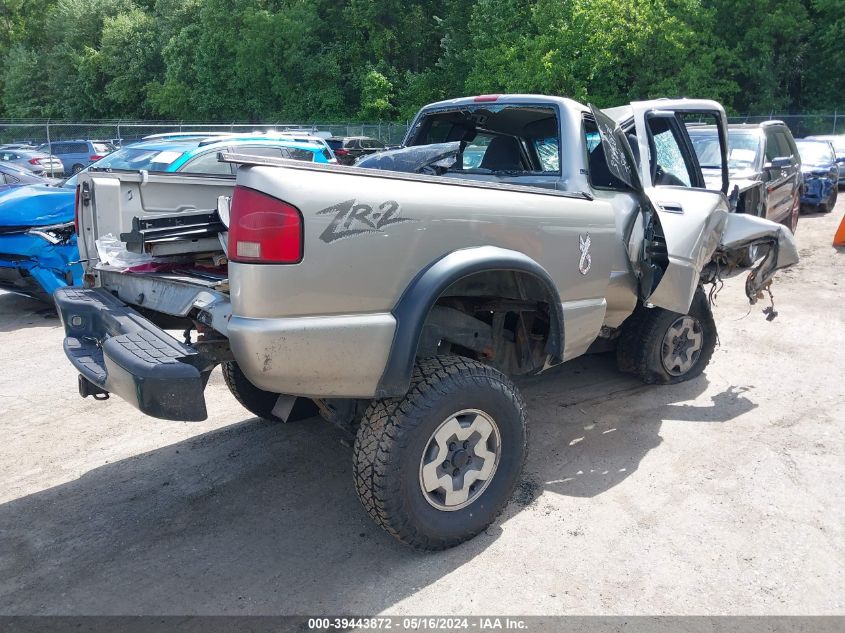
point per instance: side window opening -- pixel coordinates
(207, 164)
(598, 172)
(774, 149)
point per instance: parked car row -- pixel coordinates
(775, 175)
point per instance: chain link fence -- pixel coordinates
(125, 132)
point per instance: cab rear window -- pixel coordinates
(509, 140)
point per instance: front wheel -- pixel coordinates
(827, 207)
(437, 466)
(664, 347)
(76, 169)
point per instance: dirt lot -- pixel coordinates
(722, 495)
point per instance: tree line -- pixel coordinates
(332, 60)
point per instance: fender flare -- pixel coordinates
(413, 307)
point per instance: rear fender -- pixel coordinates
(420, 296)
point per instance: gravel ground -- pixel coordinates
(721, 495)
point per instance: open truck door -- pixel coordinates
(682, 226)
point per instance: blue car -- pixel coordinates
(821, 174)
(838, 142)
(38, 252)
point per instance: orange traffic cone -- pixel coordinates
(839, 237)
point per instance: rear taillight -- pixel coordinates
(341, 152)
(263, 229)
(34, 161)
(76, 211)
(96, 157)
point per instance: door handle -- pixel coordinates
(671, 207)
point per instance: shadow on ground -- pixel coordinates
(262, 518)
(18, 312)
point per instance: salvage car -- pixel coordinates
(33, 160)
(400, 299)
(38, 251)
(821, 175)
(838, 142)
(349, 149)
(77, 155)
(764, 167)
(13, 176)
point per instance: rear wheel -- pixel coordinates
(437, 466)
(76, 169)
(664, 347)
(253, 399)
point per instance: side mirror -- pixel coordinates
(781, 162)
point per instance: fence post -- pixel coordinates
(50, 149)
(835, 112)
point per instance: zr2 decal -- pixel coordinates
(351, 219)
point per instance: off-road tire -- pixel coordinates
(253, 399)
(640, 345)
(395, 432)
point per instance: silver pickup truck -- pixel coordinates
(398, 297)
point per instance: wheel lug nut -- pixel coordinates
(446, 464)
(456, 472)
(451, 446)
(466, 444)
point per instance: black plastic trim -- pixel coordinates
(421, 294)
(118, 351)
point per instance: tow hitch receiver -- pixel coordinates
(116, 350)
(88, 388)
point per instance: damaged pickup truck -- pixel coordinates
(397, 299)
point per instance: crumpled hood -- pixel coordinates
(36, 205)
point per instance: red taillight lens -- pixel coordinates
(34, 161)
(76, 212)
(486, 98)
(263, 229)
(341, 152)
(96, 156)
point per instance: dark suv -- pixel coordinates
(349, 149)
(764, 164)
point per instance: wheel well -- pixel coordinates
(504, 318)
